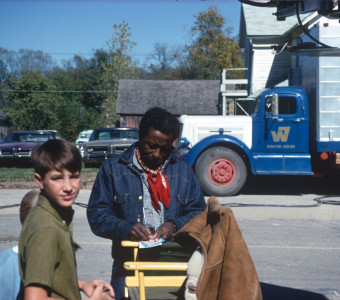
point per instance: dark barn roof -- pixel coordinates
(191, 97)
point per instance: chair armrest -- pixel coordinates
(130, 244)
(155, 266)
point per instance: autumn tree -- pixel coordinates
(119, 65)
(212, 48)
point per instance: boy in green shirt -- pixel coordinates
(46, 247)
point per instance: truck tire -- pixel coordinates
(221, 172)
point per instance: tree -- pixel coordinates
(29, 60)
(212, 48)
(86, 75)
(82, 81)
(3, 77)
(118, 65)
(12, 65)
(33, 108)
(166, 60)
(37, 104)
(32, 60)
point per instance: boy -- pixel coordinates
(46, 247)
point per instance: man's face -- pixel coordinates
(155, 148)
(61, 188)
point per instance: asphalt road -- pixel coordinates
(293, 238)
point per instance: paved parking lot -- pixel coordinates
(293, 239)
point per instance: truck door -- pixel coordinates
(281, 135)
(287, 131)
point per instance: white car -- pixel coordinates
(83, 137)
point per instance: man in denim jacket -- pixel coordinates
(145, 193)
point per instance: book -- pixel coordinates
(150, 243)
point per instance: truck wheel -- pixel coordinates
(221, 172)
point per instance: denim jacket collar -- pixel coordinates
(127, 156)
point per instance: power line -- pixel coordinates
(56, 92)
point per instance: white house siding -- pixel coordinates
(268, 69)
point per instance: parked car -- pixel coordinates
(16, 148)
(54, 132)
(83, 137)
(107, 142)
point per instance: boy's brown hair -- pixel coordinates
(27, 203)
(56, 155)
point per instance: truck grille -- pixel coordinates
(96, 149)
(101, 153)
(119, 149)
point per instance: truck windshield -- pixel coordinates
(256, 105)
(114, 134)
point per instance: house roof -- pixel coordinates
(192, 97)
(261, 22)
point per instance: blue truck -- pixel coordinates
(292, 130)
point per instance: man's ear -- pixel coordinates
(38, 180)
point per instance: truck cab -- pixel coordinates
(281, 132)
(274, 139)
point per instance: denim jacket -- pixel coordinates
(116, 201)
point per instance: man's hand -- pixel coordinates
(165, 231)
(139, 232)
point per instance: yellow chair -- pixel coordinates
(142, 281)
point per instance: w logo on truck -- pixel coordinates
(281, 135)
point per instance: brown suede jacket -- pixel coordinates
(228, 271)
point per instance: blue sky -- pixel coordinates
(63, 28)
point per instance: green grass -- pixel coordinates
(26, 174)
(89, 174)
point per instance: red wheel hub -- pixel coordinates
(221, 172)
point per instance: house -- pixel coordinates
(259, 32)
(191, 97)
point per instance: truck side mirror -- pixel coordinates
(272, 106)
(275, 106)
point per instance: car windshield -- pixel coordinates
(114, 134)
(27, 137)
(84, 135)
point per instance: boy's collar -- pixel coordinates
(66, 214)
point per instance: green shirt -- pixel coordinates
(47, 250)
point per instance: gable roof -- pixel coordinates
(192, 97)
(261, 22)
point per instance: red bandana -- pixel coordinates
(159, 185)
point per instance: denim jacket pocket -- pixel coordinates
(120, 198)
(120, 205)
(182, 199)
